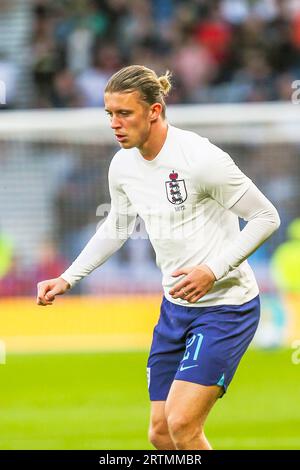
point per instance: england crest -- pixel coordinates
(176, 190)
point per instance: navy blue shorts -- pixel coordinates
(203, 345)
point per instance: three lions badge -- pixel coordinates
(176, 189)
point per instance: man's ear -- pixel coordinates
(155, 111)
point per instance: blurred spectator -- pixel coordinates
(92, 81)
(44, 54)
(87, 26)
(9, 77)
(48, 265)
(214, 34)
(135, 26)
(6, 253)
(283, 86)
(16, 281)
(65, 93)
(255, 78)
(145, 55)
(235, 11)
(75, 202)
(21, 281)
(286, 261)
(79, 48)
(221, 50)
(296, 30)
(194, 66)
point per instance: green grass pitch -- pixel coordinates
(100, 401)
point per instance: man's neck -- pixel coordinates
(157, 137)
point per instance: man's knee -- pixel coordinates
(158, 433)
(182, 429)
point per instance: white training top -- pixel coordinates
(189, 196)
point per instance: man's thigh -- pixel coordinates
(187, 402)
(190, 402)
(193, 401)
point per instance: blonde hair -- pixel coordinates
(152, 88)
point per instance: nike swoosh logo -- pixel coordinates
(187, 367)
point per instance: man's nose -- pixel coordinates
(115, 123)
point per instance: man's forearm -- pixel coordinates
(96, 252)
(107, 240)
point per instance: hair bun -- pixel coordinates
(165, 83)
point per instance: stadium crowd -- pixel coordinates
(218, 50)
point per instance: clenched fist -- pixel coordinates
(47, 290)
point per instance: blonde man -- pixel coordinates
(190, 195)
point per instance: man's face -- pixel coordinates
(130, 118)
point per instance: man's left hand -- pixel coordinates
(197, 282)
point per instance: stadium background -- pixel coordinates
(73, 375)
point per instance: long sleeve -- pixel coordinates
(263, 220)
(111, 235)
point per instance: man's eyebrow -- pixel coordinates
(118, 110)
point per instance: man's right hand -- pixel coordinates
(47, 290)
